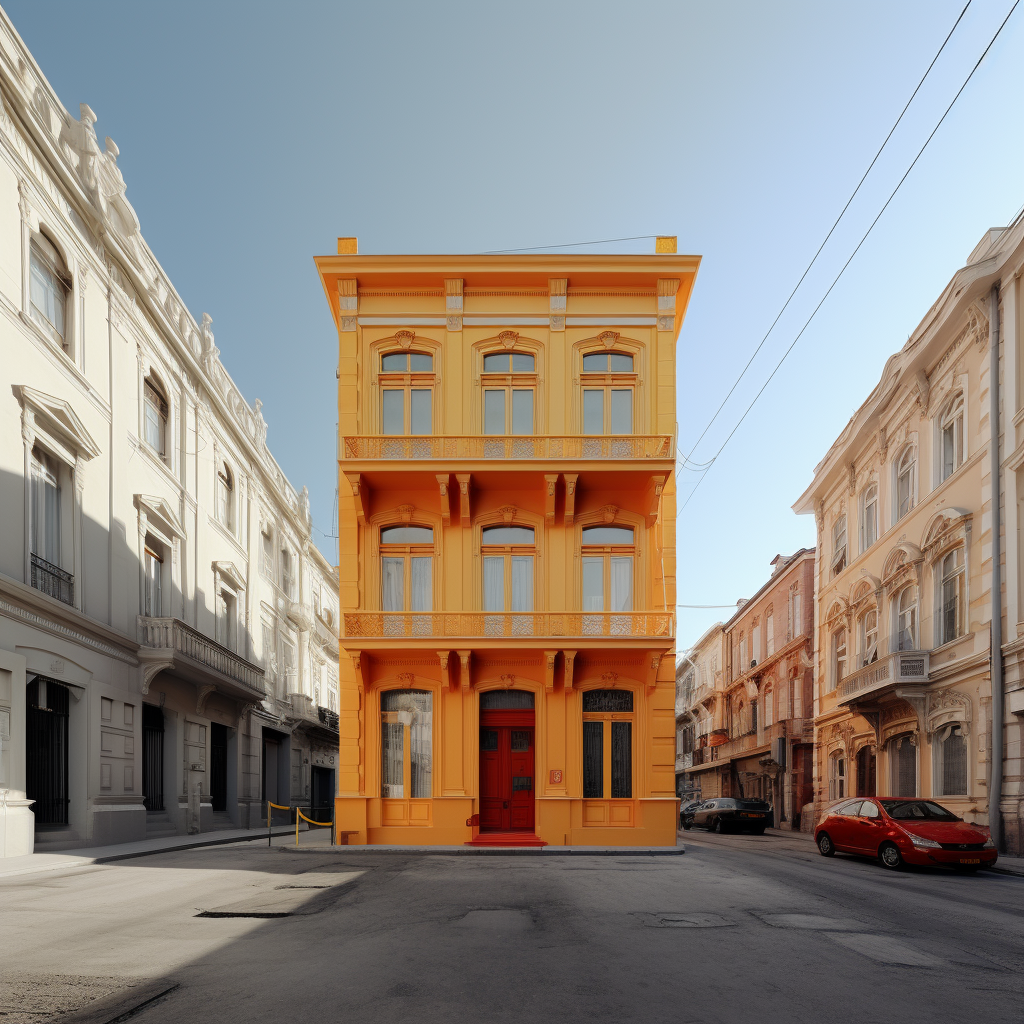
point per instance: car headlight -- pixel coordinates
(921, 841)
(988, 844)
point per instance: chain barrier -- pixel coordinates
(298, 815)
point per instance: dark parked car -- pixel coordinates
(687, 809)
(725, 814)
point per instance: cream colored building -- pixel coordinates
(168, 631)
(904, 596)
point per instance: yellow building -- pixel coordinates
(507, 521)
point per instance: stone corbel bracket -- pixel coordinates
(465, 657)
(152, 663)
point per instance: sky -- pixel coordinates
(252, 135)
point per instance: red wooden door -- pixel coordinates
(506, 778)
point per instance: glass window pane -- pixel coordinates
(621, 363)
(593, 412)
(622, 411)
(394, 412)
(508, 535)
(593, 760)
(421, 412)
(596, 362)
(522, 412)
(607, 700)
(607, 535)
(392, 577)
(593, 584)
(622, 584)
(494, 412)
(420, 752)
(488, 739)
(522, 583)
(622, 759)
(392, 757)
(421, 596)
(421, 361)
(496, 362)
(407, 535)
(522, 362)
(395, 361)
(494, 583)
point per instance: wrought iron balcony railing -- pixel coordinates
(516, 625)
(626, 447)
(52, 580)
(175, 635)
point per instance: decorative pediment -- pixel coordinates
(159, 512)
(56, 417)
(837, 610)
(228, 571)
(948, 707)
(861, 592)
(942, 523)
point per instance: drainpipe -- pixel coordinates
(995, 778)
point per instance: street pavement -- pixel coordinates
(732, 931)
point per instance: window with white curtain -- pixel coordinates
(608, 553)
(406, 568)
(49, 287)
(406, 743)
(951, 437)
(509, 384)
(951, 586)
(508, 554)
(839, 546)
(407, 386)
(608, 381)
(905, 473)
(838, 657)
(154, 577)
(869, 637)
(950, 750)
(44, 533)
(869, 516)
(906, 619)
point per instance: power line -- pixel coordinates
(852, 255)
(831, 230)
(706, 605)
(566, 245)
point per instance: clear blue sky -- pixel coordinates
(252, 135)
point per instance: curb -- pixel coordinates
(497, 851)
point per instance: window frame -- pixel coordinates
(868, 515)
(608, 381)
(939, 739)
(407, 773)
(60, 278)
(839, 545)
(508, 382)
(161, 409)
(957, 578)
(867, 651)
(607, 552)
(837, 775)
(904, 464)
(153, 571)
(407, 552)
(507, 552)
(951, 416)
(608, 780)
(839, 656)
(898, 612)
(405, 381)
(225, 498)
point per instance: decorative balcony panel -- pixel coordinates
(201, 659)
(52, 580)
(483, 448)
(515, 625)
(901, 667)
(328, 718)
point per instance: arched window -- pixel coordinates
(508, 555)
(49, 287)
(155, 417)
(407, 387)
(769, 706)
(905, 483)
(406, 560)
(903, 766)
(608, 553)
(951, 437)
(406, 723)
(950, 746)
(906, 620)
(509, 384)
(838, 657)
(225, 495)
(608, 381)
(839, 546)
(951, 586)
(837, 776)
(868, 637)
(607, 744)
(869, 516)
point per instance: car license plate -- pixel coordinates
(748, 814)
(975, 860)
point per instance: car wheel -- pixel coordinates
(686, 825)
(890, 857)
(825, 845)
(718, 826)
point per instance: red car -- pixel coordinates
(904, 830)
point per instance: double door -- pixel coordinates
(506, 776)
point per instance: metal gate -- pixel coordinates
(152, 757)
(218, 766)
(46, 735)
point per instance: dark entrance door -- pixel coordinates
(322, 793)
(219, 766)
(866, 775)
(152, 757)
(46, 765)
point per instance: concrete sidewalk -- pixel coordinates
(34, 862)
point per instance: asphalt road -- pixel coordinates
(732, 931)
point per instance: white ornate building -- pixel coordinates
(168, 631)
